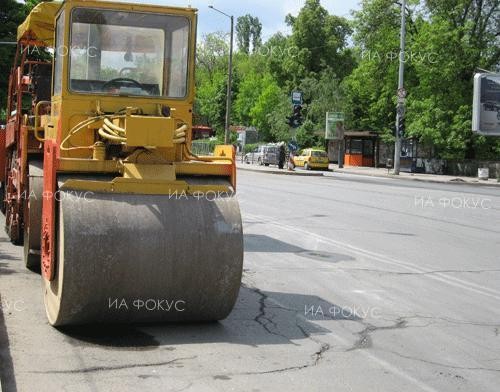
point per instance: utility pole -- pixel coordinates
(401, 91)
(341, 154)
(227, 134)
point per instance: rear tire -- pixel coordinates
(306, 166)
(33, 216)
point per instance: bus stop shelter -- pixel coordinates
(361, 148)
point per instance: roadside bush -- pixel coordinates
(250, 147)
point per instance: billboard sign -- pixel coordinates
(334, 126)
(486, 108)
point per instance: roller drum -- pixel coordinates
(144, 258)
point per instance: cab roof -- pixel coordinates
(39, 25)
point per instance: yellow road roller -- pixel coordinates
(125, 222)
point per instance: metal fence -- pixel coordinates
(201, 147)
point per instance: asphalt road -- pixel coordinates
(350, 284)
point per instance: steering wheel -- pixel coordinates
(118, 81)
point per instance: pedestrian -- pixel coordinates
(282, 155)
(291, 165)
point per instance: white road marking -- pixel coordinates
(441, 277)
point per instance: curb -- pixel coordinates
(281, 173)
(393, 177)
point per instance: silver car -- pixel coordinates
(263, 155)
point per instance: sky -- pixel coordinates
(270, 12)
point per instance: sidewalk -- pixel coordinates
(384, 173)
(274, 170)
(370, 172)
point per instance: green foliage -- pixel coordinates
(461, 35)
(275, 51)
(277, 120)
(211, 100)
(305, 135)
(250, 148)
(250, 89)
(248, 31)
(446, 42)
(320, 40)
(352, 66)
(211, 55)
(211, 81)
(267, 101)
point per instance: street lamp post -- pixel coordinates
(401, 104)
(227, 133)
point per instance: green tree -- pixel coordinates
(212, 54)
(211, 80)
(261, 113)
(462, 35)
(278, 122)
(248, 32)
(369, 91)
(249, 91)
(446, 42)
(320, 40)
(211, 100)
(305, 135)
(278, 51)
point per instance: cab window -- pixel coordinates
(128, 53)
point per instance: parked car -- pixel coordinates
(312, 158)
(264, 155)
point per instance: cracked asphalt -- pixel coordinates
(350, 284)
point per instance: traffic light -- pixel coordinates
(401, 127)
(296, 118)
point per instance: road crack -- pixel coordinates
(386, 272)
(95, 369)
(434, 363)
(317, 356)
(454, 321)
(271, 327)
(262, 318)
(365, 338)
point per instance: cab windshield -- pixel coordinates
(318, 154)
(128, 53)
